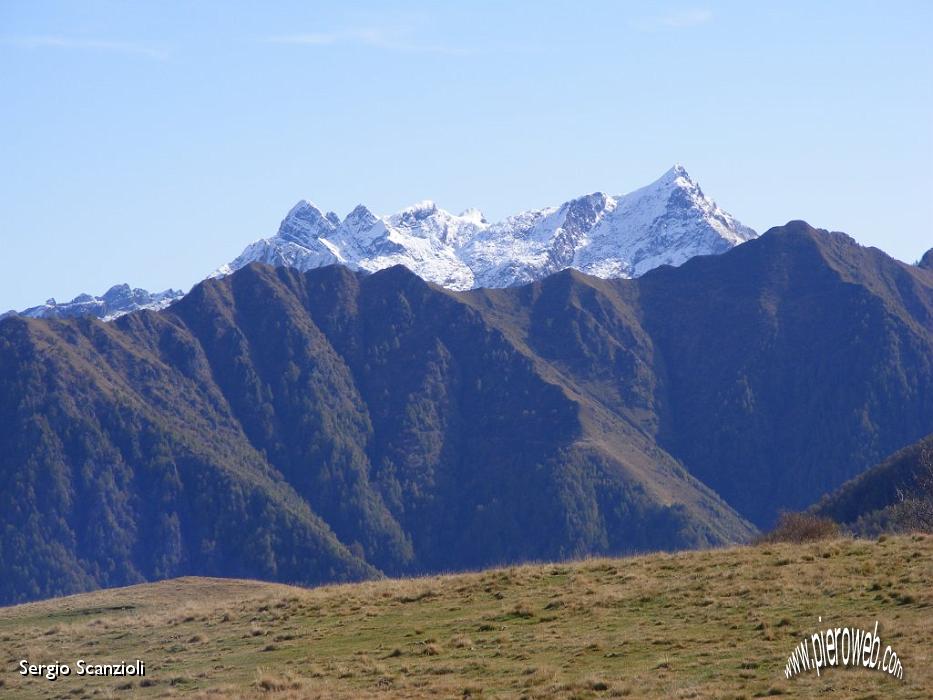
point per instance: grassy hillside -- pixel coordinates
(690, 625)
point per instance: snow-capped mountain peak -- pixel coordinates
(305, 222)
(418, 210)
(675, 172)
(666, 222)
(474, 216)
(115, 302)
(360, 216)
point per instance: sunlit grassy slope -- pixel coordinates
(690, 625)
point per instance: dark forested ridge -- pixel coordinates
(321, 426)
(791, 365)
(926, 262)
(893, 496)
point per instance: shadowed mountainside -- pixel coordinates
(773, 372)
(320, 426)
(896, 495)
(799, 363)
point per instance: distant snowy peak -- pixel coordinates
(667, 222)
(115, 302)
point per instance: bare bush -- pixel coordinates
(800, 527)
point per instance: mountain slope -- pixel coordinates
(360, 423)
(666, 222)
(926, 262)
(797, 363)
(896, 494)
(118, 468)
(293, 427)
(773, 372)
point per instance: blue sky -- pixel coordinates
(148, 143)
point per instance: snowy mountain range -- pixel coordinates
(115, 302)
(666, 223)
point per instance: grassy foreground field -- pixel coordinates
(690, 625)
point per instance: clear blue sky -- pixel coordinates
(148, 143)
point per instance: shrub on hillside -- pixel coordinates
(915, 510)
(800, 527)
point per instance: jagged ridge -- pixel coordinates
(667, 222)
(115, 302)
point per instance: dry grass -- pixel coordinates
(691, 625)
